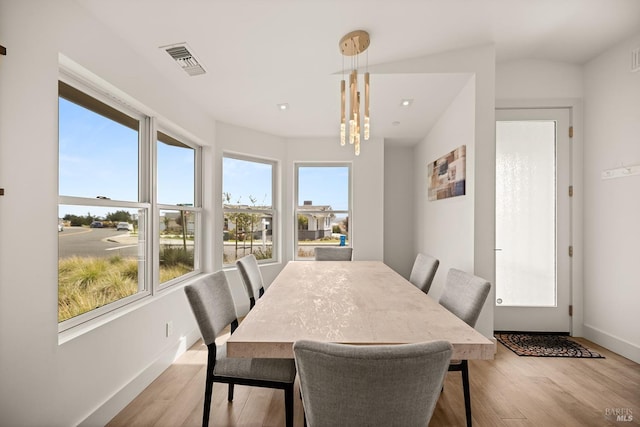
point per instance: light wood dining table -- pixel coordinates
(350, 302)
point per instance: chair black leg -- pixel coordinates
(467, 394)
(208, 389)
(288, 405)
(230, 392)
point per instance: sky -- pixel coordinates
(244, 180)
(98, 157)
(327, 185)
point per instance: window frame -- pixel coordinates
(296, 195)
(94, 89)
(272, 212)
(196, 208)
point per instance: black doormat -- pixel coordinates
(544, 345)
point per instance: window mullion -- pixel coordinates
(145, 193)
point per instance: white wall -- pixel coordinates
(399, 235)
(445, 228)
(479, 62)
(611, 207)
(536, 79)
(237, 140)
(367, 224)
(43, 383)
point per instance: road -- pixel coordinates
(107, 242)
(98, 242)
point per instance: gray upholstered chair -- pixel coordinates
(212, 305)
(464, 295)
(423, 271)
(333, 253)
(251, 277)
(361, 385)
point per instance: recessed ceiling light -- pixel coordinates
(283, 106)
(406, 102)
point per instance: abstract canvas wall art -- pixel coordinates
(447, 175)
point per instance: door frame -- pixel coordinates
(576, 202)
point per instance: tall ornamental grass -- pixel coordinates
(87, 283)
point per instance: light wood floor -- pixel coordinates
(507, 391)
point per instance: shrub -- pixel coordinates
(266, 254)
(171, 272)
(85, 284)
(171, 256)
(302, 253)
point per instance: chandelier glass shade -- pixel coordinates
(352, 45)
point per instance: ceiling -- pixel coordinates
(260, 53)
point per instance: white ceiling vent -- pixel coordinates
(184, 57)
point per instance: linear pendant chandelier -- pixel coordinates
(352, 45)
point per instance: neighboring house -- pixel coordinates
(314, 221)
(261, 222)
(171, 221)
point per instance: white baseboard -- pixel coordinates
(617, 345)
(126, 394)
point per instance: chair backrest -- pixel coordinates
(423, 271)
(251, 277)
(370, 385)
(212, 304)
(464, 295)
(333, 253)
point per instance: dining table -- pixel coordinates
(349, 302)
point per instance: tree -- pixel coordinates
(303, 222)
(244, 222)
(166, 221)
(181, 221)
(119, 216)
(345, 223)
(234, 217)
(253, 218)
(76, 221)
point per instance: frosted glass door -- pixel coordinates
(526, 214)
(533, 227)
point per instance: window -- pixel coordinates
(179, 211)
(248, 205)
(323, 207)
(105, 204)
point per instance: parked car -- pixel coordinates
(96, 224)
(124, 226)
